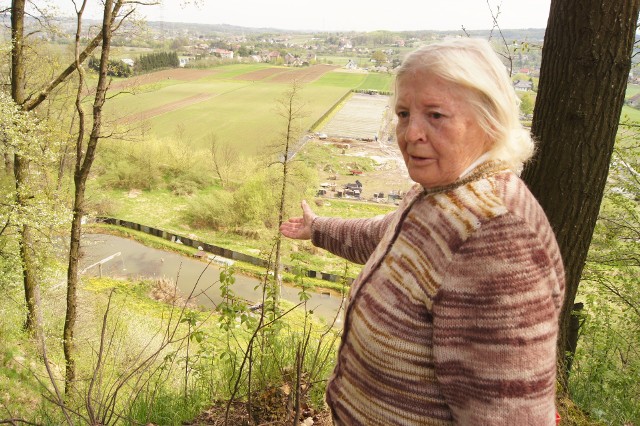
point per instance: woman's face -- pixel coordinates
(437, 131)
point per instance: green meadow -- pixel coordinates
(236, 111)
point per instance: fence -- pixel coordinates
(213, 249)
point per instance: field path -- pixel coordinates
(171, 106)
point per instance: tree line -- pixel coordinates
(154, 61)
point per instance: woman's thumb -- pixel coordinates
(306, 210)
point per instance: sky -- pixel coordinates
(346, 15)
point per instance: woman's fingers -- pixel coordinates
(299, 227)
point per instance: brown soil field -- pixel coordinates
(303, 75)
(261, 74)
(183, 74)
(171, 106)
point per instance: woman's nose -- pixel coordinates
(414, 131)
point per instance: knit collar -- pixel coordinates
(481, 171)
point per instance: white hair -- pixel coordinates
(474, 67)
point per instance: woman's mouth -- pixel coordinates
(417, 160)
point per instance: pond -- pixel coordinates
(124, 258)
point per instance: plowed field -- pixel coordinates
(260, 74)
(183, 74)
(171, 106)
(303, 75)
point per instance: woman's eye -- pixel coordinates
(436, 115)
(402, 114)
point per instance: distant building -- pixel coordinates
(351, 65)
(290, 59)
(223, 53)
(273, 56)
(128, 61)
(634, 101)
(523, 86)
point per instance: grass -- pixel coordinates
(630, 114)
(632, 89)
(334, 60)
(230, 71)
(136, 324)
(239, 112)
(378, 81)
(161, 209)
(20, 395)
(340, 78)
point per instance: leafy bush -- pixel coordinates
(254, 203)
(129, 165)
(210, 211)
(606, 369)
(115, 68)
(152, 164)
(182, 186)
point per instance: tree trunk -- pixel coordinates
(8, 163)
(585, 65)
(290, 109)
(84, 161)
(21, 164)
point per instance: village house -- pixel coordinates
(634, 101)
(290, 59)
(351, 65)
(523, 86)
(273, 56)
(184, 60)
(223, 53)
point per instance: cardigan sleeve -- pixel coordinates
(351, 239)
(496, 325)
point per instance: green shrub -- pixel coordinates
(255, 203)
(210, 211)
(129, 165)
(182, 186)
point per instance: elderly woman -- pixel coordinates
(454, 317)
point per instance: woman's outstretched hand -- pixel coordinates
(299, 228)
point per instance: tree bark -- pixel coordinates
(84, 161)
(290, 109)
(585, 65)
(21, 165)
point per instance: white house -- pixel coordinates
(223, 53)
(523, 86)
(351, 65)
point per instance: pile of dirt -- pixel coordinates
(270, 407)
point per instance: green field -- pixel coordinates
(237, 111)
(377, 81)
(632, 89)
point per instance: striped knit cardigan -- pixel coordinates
(454, 318)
